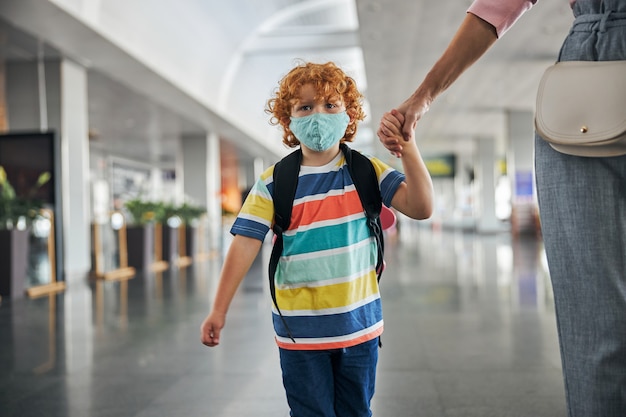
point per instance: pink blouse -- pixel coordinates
(502, 14)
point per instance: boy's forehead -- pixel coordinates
(306, 90)
(310, 91)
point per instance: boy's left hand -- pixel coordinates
(390, 131)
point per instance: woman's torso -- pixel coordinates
(598, 32)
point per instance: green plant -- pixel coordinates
(143, 212)
(189, 213)
(13, 208)
(167, 210)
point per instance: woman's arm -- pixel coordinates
(473, 38)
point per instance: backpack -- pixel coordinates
(285, 182)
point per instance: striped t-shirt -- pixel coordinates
(326, 286)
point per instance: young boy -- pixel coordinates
(326, 282)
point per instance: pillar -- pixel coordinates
(73, 129)
(52, 95)
(487, 222)
(520, 163)
(202, 179)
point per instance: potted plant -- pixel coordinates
(189, 214)
(16, 215)
(19, 211)
(141, 212)
(140, 232)
(174, 223)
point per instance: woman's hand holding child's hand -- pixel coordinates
(390, 132)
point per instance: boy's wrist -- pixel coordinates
(216, 311)
(409, 149)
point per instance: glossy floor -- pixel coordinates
(469, 331)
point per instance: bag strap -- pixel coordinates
(366, 183)
(285, 180)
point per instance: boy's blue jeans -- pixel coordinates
(330, 383)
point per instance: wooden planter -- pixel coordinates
(187, 246)
(14, 265)
(179, 245)
(100, 270)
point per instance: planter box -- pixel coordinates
(191, 241)
(170, 244)
(140, 245)
(14, 264)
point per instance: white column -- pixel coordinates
(75, 169)
(214, 188)
(202, 179)
(194, 151)
(156, 179)
(487, 221)
(520, 164)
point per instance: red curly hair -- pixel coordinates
(329, 81)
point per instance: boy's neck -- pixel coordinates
(318, 159)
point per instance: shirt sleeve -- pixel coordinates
(502, 14)
(388, 178)
(257, 212)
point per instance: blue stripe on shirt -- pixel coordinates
(330, 325)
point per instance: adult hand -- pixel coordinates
(407, 116)
(412, 111)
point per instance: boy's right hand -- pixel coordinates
(211, 329)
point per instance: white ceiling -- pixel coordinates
(402, 39)
(387, 45)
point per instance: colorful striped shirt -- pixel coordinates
(326, 284)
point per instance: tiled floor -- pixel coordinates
(469, 331)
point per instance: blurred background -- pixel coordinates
(163, 101)
(132, 130)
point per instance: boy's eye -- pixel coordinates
(305, 108)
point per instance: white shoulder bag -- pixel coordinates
(581, 108)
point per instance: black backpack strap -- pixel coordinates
(285, 179)
(366, 183)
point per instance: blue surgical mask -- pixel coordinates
(320, 131)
